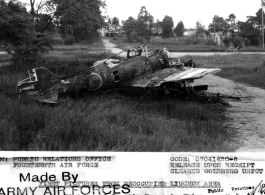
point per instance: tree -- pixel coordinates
(43, 14)
(167, 26)
(251, 29)
(259, 17)
(158, 27)
(253, 24)
(145, 22)
(15, 23)
(44, 5)
(232, 17)
(145, 16)
(179, 30)
(256, 21)
(231, 21)
(18, 33)
(207, 33)
(231, 24)
(218, 24)
(129, 27)
(141, 28)
(43, 23)
(115, 21)
(84, 16)
(199, 29)
(247, 28)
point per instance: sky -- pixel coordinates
(187, 11)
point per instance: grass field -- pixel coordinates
(77, 50)
(242, 68)
(110, 121)
(183, 44)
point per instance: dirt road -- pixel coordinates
(113, 49)
(246, 117)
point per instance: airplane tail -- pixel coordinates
(41, 85)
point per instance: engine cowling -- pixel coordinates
(93, 81)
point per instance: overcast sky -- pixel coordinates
(188, 11)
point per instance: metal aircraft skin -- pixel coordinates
(152, 70)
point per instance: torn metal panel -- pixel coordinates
(170, 75)
(42, 85)
(154, 69)
(193, 73)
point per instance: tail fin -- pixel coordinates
(45, 78)
(41, 85)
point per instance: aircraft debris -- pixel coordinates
(154, 71)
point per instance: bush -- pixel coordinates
(57, 40)
(156, 39)
(26, 54)
(210, 42)
(235, 41)
(193, 40)
(238, 41)
(156, 34)
(30, 52)
(69, 40)
(227, 41)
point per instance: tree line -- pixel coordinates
(27, 32)
(144, 26)
(249, 30)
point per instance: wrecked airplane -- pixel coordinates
(153, 70)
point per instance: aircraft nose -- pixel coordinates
(93, 81)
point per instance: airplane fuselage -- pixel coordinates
(106, 75)
(152, 71)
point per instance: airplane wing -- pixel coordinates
(44, 99)
(169, 75)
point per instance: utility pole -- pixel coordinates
(214, 27)
(262, 24)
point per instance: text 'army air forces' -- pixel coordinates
(79, 175)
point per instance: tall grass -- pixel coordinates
(112, 123)
(80, 46)
(109, 121)
(183, 44)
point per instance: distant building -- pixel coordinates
(110, 30)
(189, 33)
(219, 38)
(103, 31)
